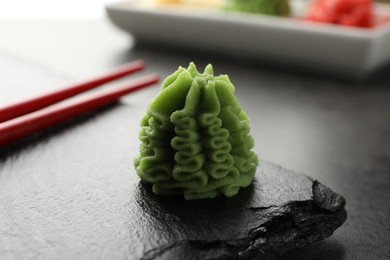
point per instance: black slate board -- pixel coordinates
(73, 198)
(282, 210)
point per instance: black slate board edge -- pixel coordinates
(293, 225)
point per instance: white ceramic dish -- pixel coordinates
(347, 51)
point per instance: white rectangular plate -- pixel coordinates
(347, 51)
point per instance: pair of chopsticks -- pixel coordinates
(25, 118)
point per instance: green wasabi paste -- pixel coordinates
(195, 138)
(270, 7)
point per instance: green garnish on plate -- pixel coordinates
(270, 7)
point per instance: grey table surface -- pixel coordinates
(55, 193)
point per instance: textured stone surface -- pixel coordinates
(282, 210)
(99, 213)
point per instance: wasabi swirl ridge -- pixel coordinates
(195, 138)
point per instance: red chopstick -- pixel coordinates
(37, 103)
(26, 125)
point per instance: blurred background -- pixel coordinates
(56, 9)
(53, 9)
(41, 33)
